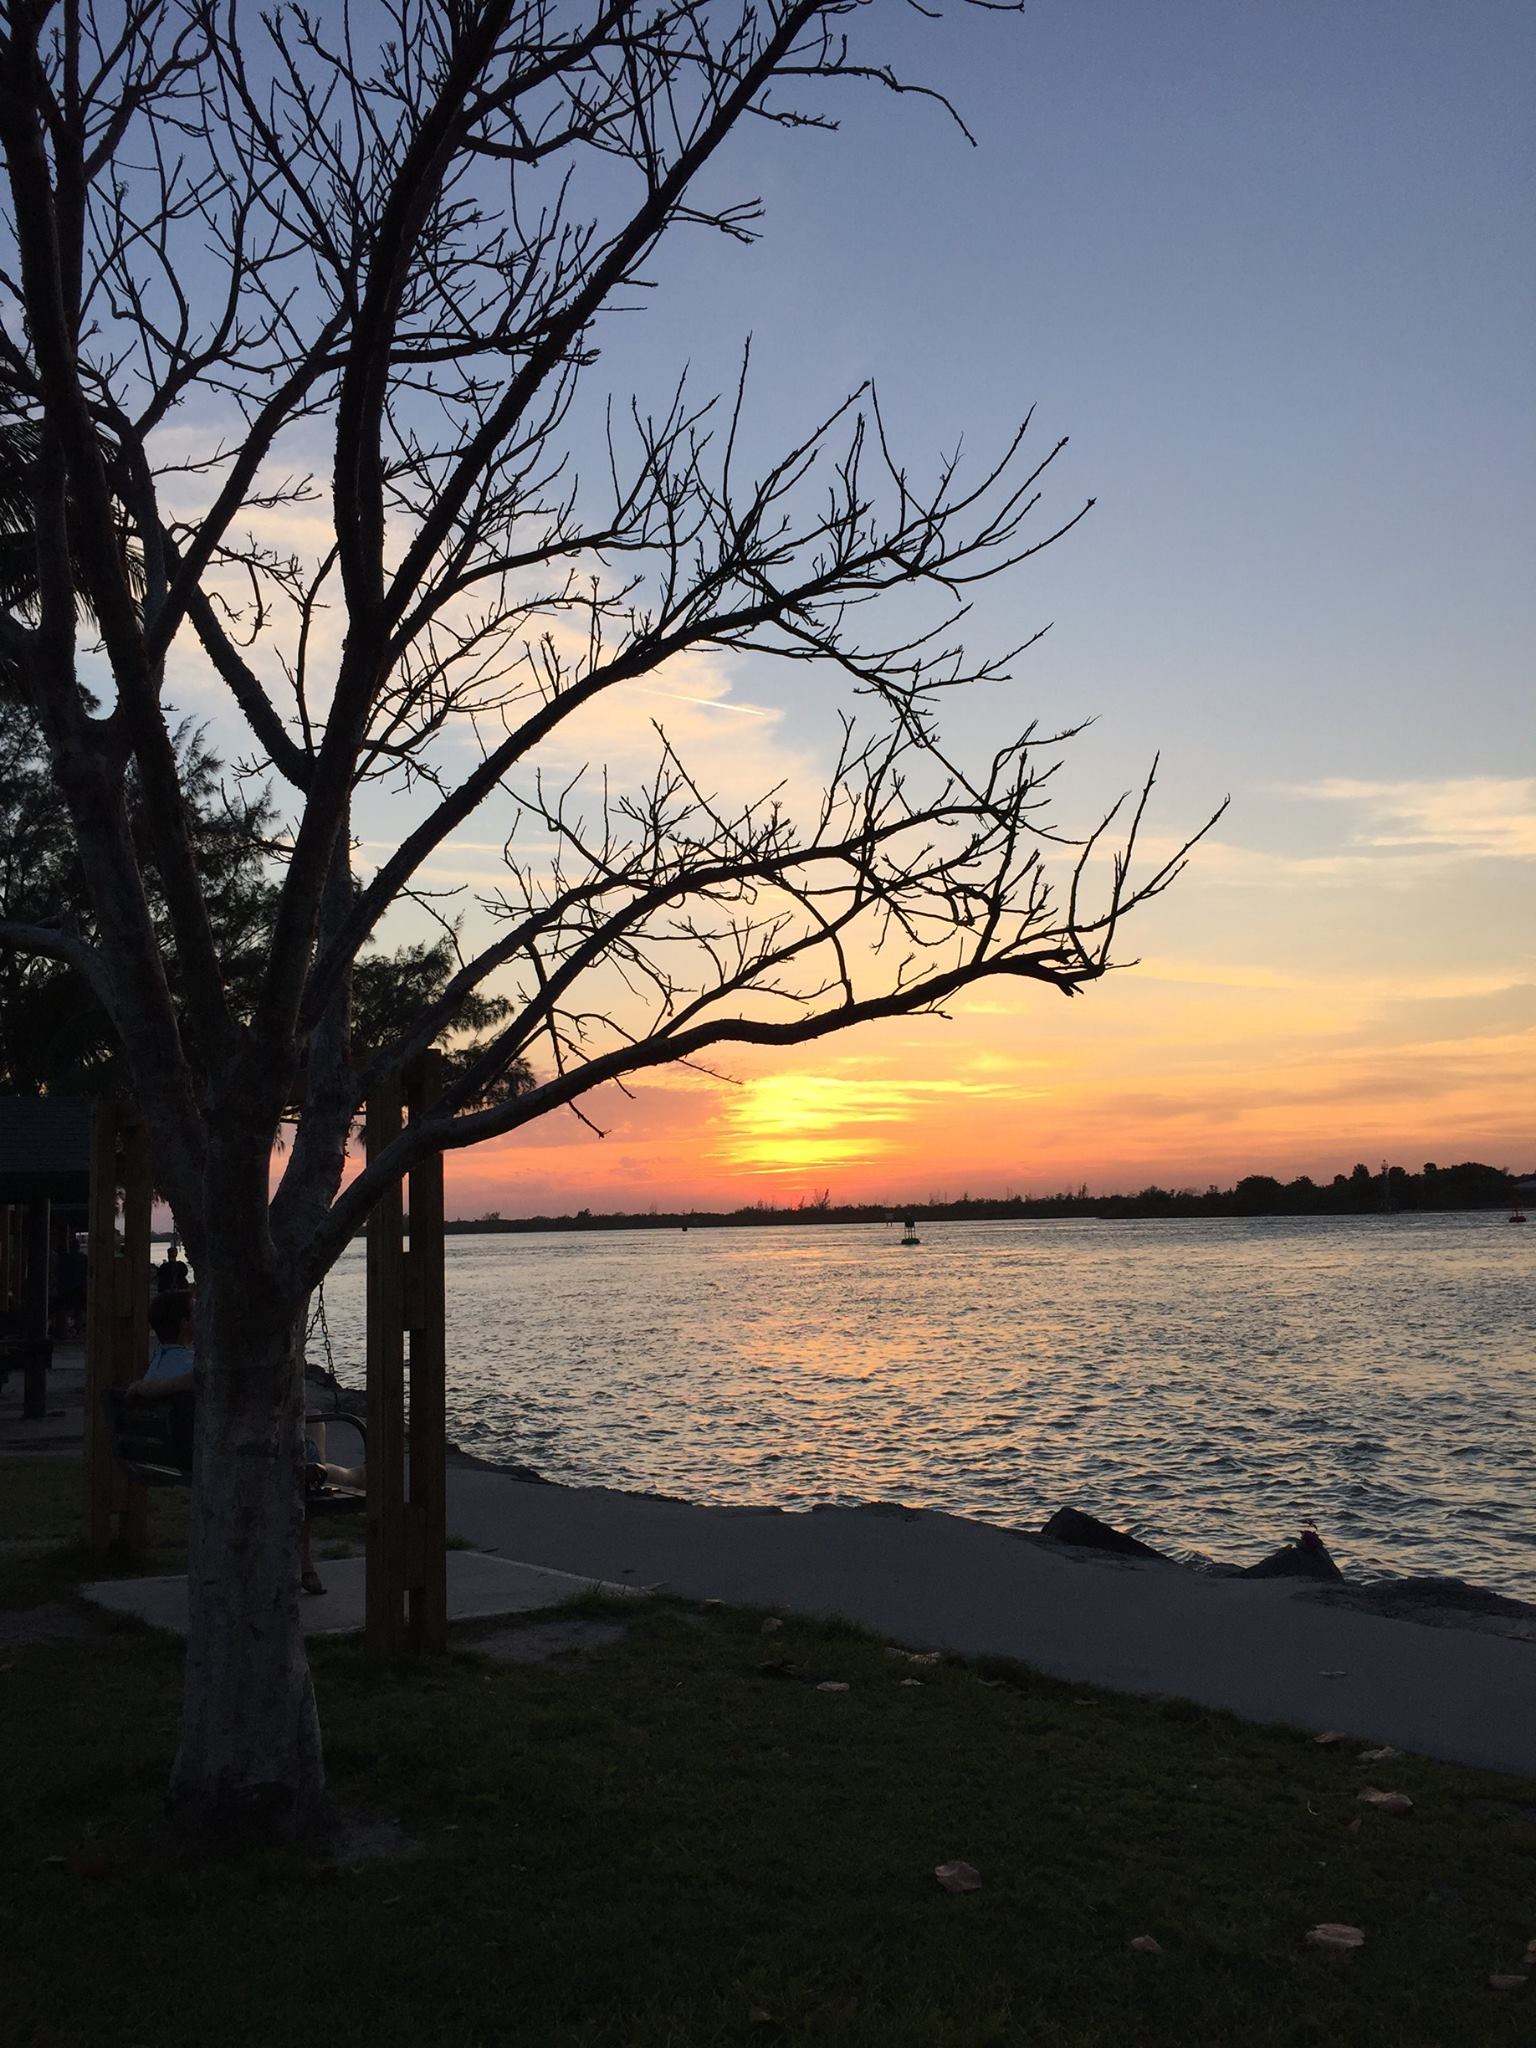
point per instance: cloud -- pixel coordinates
(1186, 973)
(1484, 817)
(734, 747)
(1224, 863)
(1430, 1020)
(788, 1121)
(1335, 1088)
(1400, 834)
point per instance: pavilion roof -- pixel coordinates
(45, 1148)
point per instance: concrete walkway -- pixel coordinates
(479, 1589)
(1267, 1649)
(61, 1431)
(1270, 1650)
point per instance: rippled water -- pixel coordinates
(1207, 1384)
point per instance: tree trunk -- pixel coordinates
(250, 1756)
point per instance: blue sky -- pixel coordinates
(1270, 265)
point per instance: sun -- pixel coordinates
(800, 1123)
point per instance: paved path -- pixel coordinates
(1267, 1649)
(479, 1588)
(61, 1431)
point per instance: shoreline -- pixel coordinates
(1432, 1672)
(1339, 1659)
(1200, 1384)
(1469, 1188)
(1434, 1600)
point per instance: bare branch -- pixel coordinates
(409, 231)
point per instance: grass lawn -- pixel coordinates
(42, 1507)
(662, 1842)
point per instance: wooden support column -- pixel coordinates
(7, 1255)
(116, 1323)
(36, 1300)
(407, 1608)
(385, 1619)
(426, 1306)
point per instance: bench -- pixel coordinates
(142, 1443)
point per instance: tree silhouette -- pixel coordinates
(348, 274)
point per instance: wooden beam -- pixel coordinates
(116, 1323)
(100, 1303)
(7, 1259)
(385, 1615)
(132, 1334)
(36, 1301)
(427, 1625)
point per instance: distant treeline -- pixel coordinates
(1361, 1193)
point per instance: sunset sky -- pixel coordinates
(1271, 267)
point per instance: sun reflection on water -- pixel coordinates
(1205, 1383)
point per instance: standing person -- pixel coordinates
(74, 1273)
(171, 1273)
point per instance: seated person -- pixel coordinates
(169, 1377)
(318, 1475)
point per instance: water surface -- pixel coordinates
(1208, 1384)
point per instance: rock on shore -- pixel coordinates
(1087, 1532)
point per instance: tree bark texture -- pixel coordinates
(250, 1756)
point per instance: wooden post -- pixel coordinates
(426, 1303)
(7, 1259)
(385, 1619)
(36, 1300)
(102, 1498)
(116, 1324)
(407, 1605)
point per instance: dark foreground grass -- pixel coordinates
(660, 1841)
(42, 1515)
(42, 1511)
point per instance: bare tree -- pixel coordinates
(393, 232)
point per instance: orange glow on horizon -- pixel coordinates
(1356, 987)
(790, 1136)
